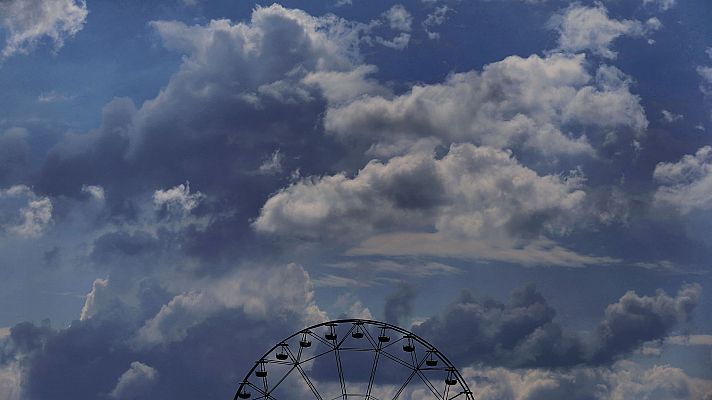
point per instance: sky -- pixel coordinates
(525, 184)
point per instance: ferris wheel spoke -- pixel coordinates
(257, 388)
(407, 381)
(391, 343)
(341, 372)
(278, 362)
(297, 365)
(424, 378)
(396, 359)
(339, 367)
(338, 346)
(446, 391)
(414, 359)
(264, 382)
(317, 337)
(374, 366)
(266, 397)
(416, 367)
(429, 384)
(457, 395)
(375, 345)
(283, 378)
(316, 356)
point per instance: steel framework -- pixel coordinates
(422, 360)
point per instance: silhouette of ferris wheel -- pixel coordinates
(353, 359)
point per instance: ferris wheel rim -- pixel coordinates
(360, 321)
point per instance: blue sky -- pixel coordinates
(526, 184)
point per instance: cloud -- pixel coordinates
(28, 22)
(705, 73)
(526, 252)
(399, 18)
(524, 332)
(96, 192)
(623, 381)
(177, 199)
(520, 333)
(242, 90)
(671, 117)
(399, 304)
(399, 42)
(353, 307)
(435, 18)
(96, 299)
(53, 97)
(272, 164)
(469, 192)
(471, 198)
(261, 294)
(686, 185)
(549, 105)
(206, 334)
(134, 382)
(10, 381)
(341, 87)
(690, 340)
(23, 213)
(635, 319)
(370, 272)
(662, 5)
(589, 28)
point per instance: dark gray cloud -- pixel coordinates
(525, 333)
(122, 245)
(636, 319)
(399, 304)
(197, 344)
(244, 92)
(520, 333)
(238, 96)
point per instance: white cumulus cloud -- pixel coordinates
(28, 22)
(687, 183)
(550, 105)
(23, 213)
(473, 196)
(589, 28)
(398, 18)
(260, 293)
(134, 382)
(177, 198)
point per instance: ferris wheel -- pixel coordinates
(353, 359)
